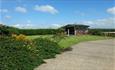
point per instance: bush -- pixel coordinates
(103, 30)
(109, 34)
(100, 31)
(37, 31)
(58, 37)
(7, 30)
(20, 37)
(17, 55)
(47, 48)
(95, 32)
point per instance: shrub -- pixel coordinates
(47, 48)
(16, 55)
(100, 31)
(19, 54)
(109, 34)
(20, 37)
(58, 37)
(37, 31)
(95, 32)
(7, 30)
(104, 30)
(2, 38)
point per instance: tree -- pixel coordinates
(6, 30)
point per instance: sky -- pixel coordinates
(57, 13)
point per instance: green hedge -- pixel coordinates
(47, 48)
(25, 55)
(7, 30)
(100, 31)
(103, 30)
(16, 55)
(95, 32)
(37, 31)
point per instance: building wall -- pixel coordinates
(77, 32)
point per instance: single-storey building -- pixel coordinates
(75, 29)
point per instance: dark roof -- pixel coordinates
(75, 25)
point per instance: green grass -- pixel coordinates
(71, 40)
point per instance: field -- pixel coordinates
(71, 40)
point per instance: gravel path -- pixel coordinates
(92, 55)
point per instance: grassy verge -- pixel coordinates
(69, 41)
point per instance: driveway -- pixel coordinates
(92, 55)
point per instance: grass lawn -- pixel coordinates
(71, 40)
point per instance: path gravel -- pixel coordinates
(92, 55)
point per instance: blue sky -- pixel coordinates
(56, 13)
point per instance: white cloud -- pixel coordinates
(16, 25)
(21, 9)
(101, 23)
(8, 17)
(87, 22)
(1, 22)
(56, 25)
(98, 23)
(111, 10)
(46, 8)
(3, 10)
(23, 25)
(26, 24)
